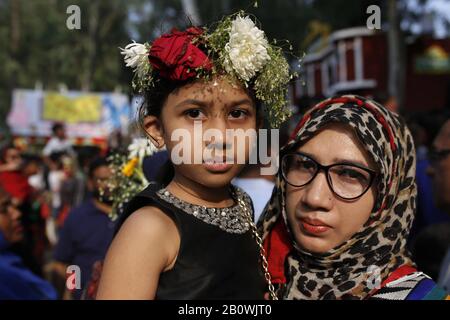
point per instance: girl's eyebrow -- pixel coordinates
(204, 104)
(239, 102)
(199, 103)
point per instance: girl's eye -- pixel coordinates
(195, 114)
(238, 114)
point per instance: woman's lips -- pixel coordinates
(313, 226)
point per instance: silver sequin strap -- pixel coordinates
(229, 219)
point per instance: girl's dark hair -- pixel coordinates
(154, 99)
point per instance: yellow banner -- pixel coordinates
(85, 108)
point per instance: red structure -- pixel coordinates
(355, 60)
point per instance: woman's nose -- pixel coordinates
(317, 194)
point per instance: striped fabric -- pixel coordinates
(415, 286)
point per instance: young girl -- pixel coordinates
(194, 237)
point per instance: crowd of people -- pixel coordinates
(53, 215)
(356, 187)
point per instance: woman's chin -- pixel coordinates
(318, 245)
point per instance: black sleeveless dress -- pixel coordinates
(214, 260)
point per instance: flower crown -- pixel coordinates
(236, 47)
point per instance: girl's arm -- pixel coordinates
(146, 245)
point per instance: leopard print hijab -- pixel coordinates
(344, 272)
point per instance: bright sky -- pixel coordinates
(440, 7)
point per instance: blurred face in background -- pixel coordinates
(10, 224)
(12, 156)
(439, 169)
(60, 133)
(98, 182)
(31, 168)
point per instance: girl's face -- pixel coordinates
(218, 105)
(319, 219)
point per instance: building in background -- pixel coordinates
(355, 60)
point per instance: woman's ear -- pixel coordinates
(152, 126)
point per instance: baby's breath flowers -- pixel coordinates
(127, 178)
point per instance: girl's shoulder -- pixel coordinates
(147, 199)
(407, 283)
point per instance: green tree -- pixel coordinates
(39, 48)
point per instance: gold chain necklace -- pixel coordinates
(262, 251)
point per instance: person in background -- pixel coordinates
(423, 128)
(33, 221)
(153, 164)
(72, 188)
(56, 146)
(11, 178)
(88, 230)
(56, 179)
(17, 281)
(58, 143)
(258, 186)
(439, 171)
(14, 175)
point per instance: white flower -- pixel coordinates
(136, 57)
(247, 48)
(140, 148)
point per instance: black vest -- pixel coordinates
(211, 263)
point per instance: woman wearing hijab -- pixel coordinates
(339, 217)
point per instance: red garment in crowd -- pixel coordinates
(16, 184)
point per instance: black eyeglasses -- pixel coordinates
(347, 181)
(437, 155)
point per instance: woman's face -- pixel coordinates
(217, 105)
(319, 219)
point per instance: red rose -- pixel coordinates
(175, 57)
